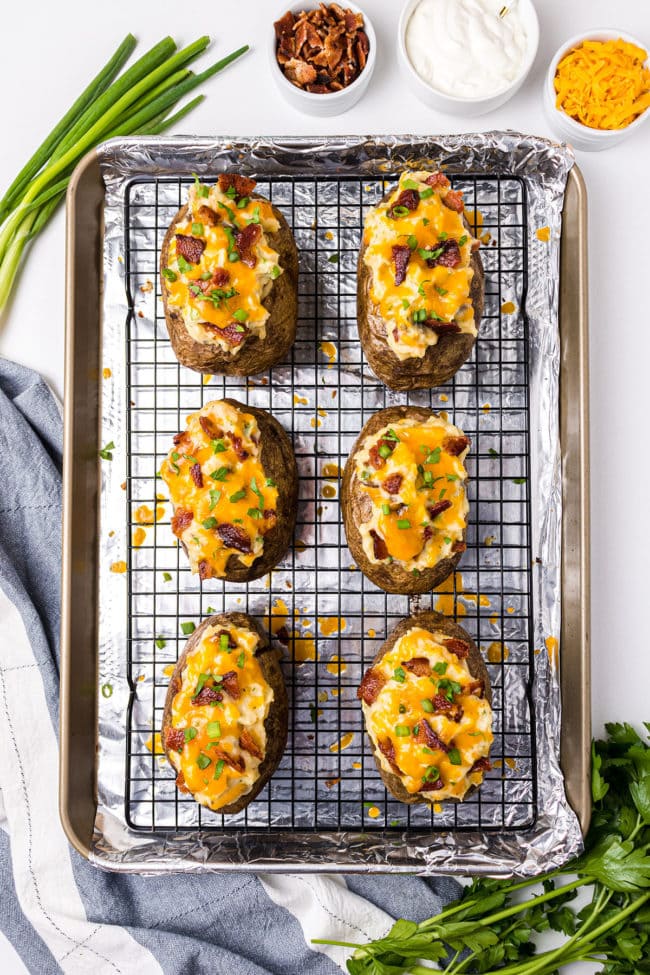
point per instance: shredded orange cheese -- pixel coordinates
(603, 84)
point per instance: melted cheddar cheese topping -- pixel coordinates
(220, 296)
(414, 476)
(407, 699)
(224, 503)
(221, 730)
(434, 296)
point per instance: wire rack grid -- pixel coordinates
(329, 619)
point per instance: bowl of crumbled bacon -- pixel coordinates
(323, 57)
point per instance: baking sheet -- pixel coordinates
(473, 837)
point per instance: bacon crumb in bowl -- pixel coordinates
(323, 56)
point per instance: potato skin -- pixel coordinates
(440, 361)
(356, 508)
(256, 355)
(279, 463)
(434, 623)
(276, 724)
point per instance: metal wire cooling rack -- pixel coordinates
(335, 619)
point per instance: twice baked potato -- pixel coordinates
(404, 499)
(229, 280)
(426, 703)
(233, 484)
(420, 284)
(225, 719)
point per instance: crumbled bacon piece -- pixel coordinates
(374, 457)
(427, 736)
(408, 199)
(393, 483)
(282, 634)
(197, 474)
(248, 744)
(181, 519)
(437, 180)
(453, 200)
(205, 571)
(190, 248)
(379, 549)
(237, 445)
(457, 647)
(230, 684)
(458, 546)
(234, 333)
(300, 73)
(174, 739)
(181, 438)
(270, 521)
(440, 328)
(427, 533)
(481, 765)
(232, 644)
(441, 703)
(235, 537)
(436, 509)
(387, 748)
(210, 428)
(242, 185)
(220, 277)
(362, 49)
(475, 687)
(207, 215)
(207, 695)
(245, 240)
(419, 666)
(455, 445)
(432, 786)
(284, 26)
(401, 257)
(237, 763)
(449, 257)
(180, 783)
(370, 686)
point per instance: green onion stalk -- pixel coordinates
(139, 101)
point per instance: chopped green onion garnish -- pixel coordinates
(169, 274)
(189, 733)
(184, 266)
(214, 729)
(462, 240)
(203, 760)
(403, 523)
(197, 228)
(425, 194)
(402, 730)
(161, 641)
(240, 660)
(188, 628)
(220, 474)
(237, 496)
(224, 642)
(276, 270)
(209, 523)
(427, 705)
(454, 756)
(399, 674)
(218, 446)
(218, 769)
(240, 315)
(106, 452)
(384, 451)
(333, 258)
(167, 577)
(441, 667)
(412, 242)
(385, 509)
(214, 498)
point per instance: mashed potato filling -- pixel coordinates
(430, 722)
(218, 740)
(419, 251)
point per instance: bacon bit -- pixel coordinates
(427, 533)
(180, 783)
(237, 763)
(284, 26)
(440, 328)
(481, 765)
(387, 748)
(432, 786)
(393, 483)
(197, 475)
(174, 739)
(300, 73)
(220, 277)
(437, 180)
(190, 248)
(458, 546)
(245, 240)
(475, 687)
(441, 703)
(270, 519)
(232, 645)
(450, 256)
(419, 666)
(282, 634)
(205, 572)
(235, 537)
(409, 199)
(207, 695)
(401, 258)
(436, 509)
(230, 684)
(379, 549)
(180, 438)
(457, 647)
(248, 744)
(234, 333)
(208, 216)
(370, 686)
(210, 428)
(237, 445)
(374, 457)
(455, 445)
(427, 736)
(453, 200)
(243, 185)
(181, 519)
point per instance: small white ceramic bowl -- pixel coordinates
(582, 136)
(450, 104)
(335, 102)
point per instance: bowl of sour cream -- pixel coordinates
(467, 57)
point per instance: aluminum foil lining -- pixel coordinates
(326, 808)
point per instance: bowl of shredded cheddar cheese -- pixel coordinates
(597, 89)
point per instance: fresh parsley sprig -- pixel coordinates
(491, 930)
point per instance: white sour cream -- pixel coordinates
(463, 48)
